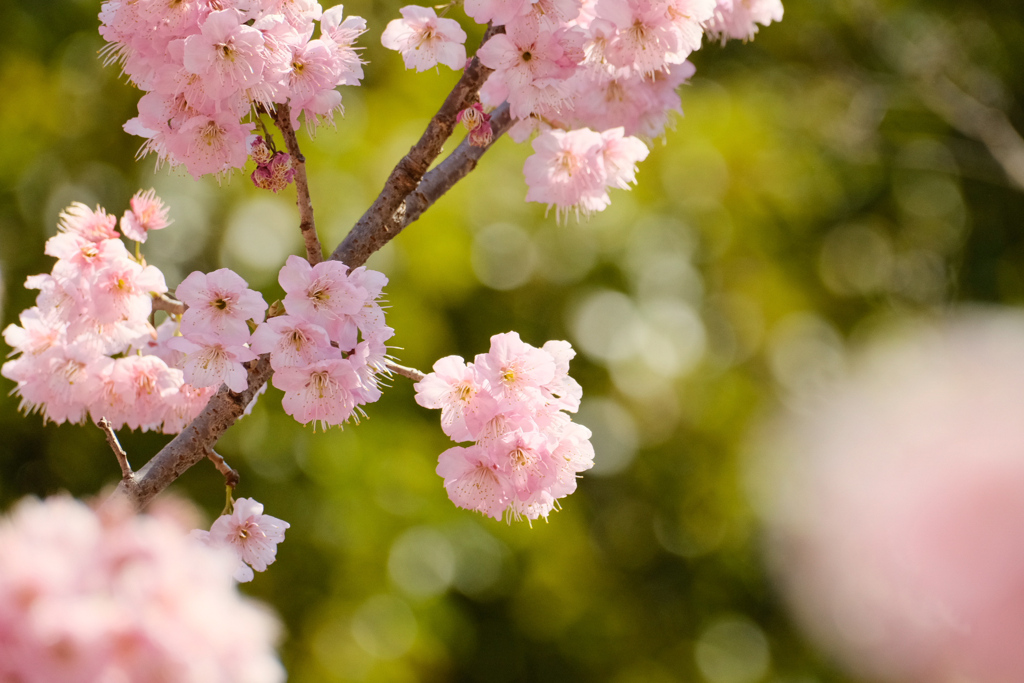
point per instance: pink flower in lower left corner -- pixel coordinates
(252, 535)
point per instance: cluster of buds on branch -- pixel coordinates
(274, 170)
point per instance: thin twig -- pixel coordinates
(162, 302)
(283, 118)
(122, 458)
(231, 477)
(412, 373)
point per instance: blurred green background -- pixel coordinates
(857, 162)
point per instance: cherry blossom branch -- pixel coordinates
(231, 477)
(381, 222)
(162, 302)
(454, 168)
(385, 218)
(283, 118)
(127, 476)
(192, 445)
(412, 373)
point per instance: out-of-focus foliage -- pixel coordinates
(855, 163)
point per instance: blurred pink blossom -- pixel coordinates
(91, 596)
(895, 506)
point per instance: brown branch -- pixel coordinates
(231, 477)
(385, 218)
(412, 373)
(283, 118)
(162, 302)
(454, 168)
(192, 445)
(127, 476)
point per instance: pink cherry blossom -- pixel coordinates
(292, 342)
(566, 171)
(315, 71)
(121, 291)
(80, 257)
(458, 391)
(226, 54)
(530, 67)
(323, 393)
(208, 144)
(321, 294)
(59, 382)
(498, 12)
(424, 40)
(562, 391)
(621, 154)
(210, 361)
(893, 503)
(143, 384)
(606, 98)
(473, 482)
(219, 304)
(94, 226)
(739, 18)
(340, 35)
(90, 596)
(147, 213)
(527, 452)
(514, 369)
(37, 333)
(250, 534)
(185, 405)
(526, 459)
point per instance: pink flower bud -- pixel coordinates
(471, 117)
(262, 177)
(259, 151)
(482, 135)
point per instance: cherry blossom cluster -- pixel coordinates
(205, 64)
(574, 169)
(249, 534)
(91, 596)
(87, 347)
(214, 331)
(576, 69)
(328, 350)
(526, 452)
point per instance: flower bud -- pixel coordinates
(471, 117)
(481, 136)
(259, 151)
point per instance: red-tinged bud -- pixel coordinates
(472, 117)
(481, 136)
(281, 163)
(259, 151)
(262, 177)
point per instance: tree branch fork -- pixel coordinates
(409, 190)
